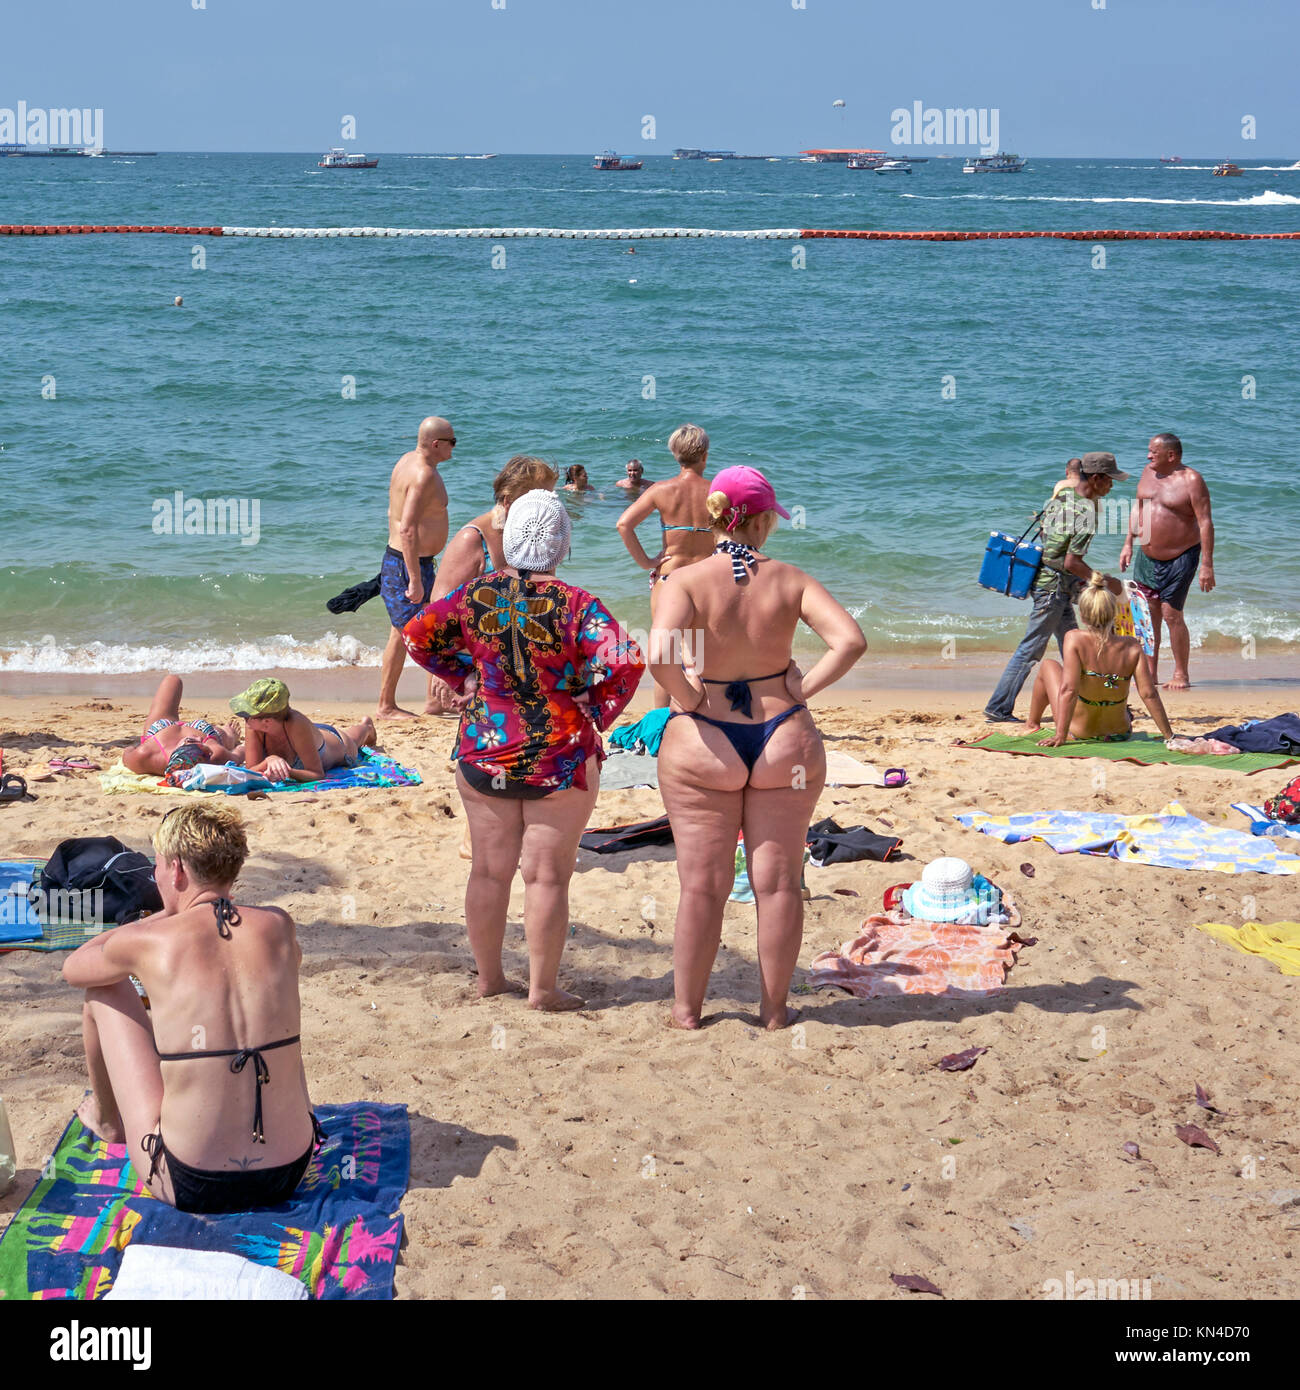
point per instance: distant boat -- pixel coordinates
(609, 160)
(1227, 170)
(994, 164)
(1171, 159)
(867, 161)
(478, 156)
(894, 166)
(341, 159)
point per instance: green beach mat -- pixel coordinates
(1144, 749)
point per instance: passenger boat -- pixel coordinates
(866, 161)
(341, 159)
(1000, 163)
(609, 160)
(1227, 170)
(894, 166)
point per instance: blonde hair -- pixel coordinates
(688, 444)
(523, 473)
(1098, 608)
(208, 839)
(722, 514)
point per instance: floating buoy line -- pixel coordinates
(639, 233)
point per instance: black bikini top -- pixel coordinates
(227, 914)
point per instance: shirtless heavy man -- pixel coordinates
(1173, 519)
(417, 531)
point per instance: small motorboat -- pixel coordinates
(1227, 170)
(1171, 159)
(341, 159)
(894, 166)
(610, 161)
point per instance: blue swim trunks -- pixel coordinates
(393, 579)
(1167, 580)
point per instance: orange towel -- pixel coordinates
(898, 954)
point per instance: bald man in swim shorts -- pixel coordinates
(1173, 519)
(417, 532)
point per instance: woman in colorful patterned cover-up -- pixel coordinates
(543, 667)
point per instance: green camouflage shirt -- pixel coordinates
(1069, 524)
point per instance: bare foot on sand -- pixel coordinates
(556, 1001)
(784, 1019)
(1178, 681)
(502, 985)
(394, 712)
(369, 737)
(111, 1131)
(1033, 728)
(687, 1023)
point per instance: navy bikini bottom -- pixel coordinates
(748, 740)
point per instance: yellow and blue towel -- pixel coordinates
(1170, 839)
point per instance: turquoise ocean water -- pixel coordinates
(830, 378)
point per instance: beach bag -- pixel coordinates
(1011, 563)
(614, 839)
(1286, 805)
(82, 869)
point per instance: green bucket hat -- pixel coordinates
(267, 696)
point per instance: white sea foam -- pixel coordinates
(268, 653)
(1268, 198)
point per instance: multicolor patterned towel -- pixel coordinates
(1262, 824)
(897, 954)
(339, 1236)
(375, 770)
(1277, 942)
(1171, 840)
(1141, 748)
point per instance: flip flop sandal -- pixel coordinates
(73, 765)
(14, 788)
(895, 777)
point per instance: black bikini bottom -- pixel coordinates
(201, 1190)
(748, 740)
(514, 790)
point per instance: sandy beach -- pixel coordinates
(603, 1155)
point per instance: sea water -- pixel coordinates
(905, 398)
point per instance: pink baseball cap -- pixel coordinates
(749, 493)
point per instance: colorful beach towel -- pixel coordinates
(374, 770)
(1171, 839)
(1262, 824)
(1278, 942)
(896, 954)
(339, 1235)
(1145, 749)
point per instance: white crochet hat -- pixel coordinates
(946, 891)
(537, 532)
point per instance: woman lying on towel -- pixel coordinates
(1088, 695)
(168, 738)
(283, 744)
(223, 988)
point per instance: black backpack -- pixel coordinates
(95, 878)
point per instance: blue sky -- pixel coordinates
(1137, 78)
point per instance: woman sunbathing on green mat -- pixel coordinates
(283, 744)
(1088, 694)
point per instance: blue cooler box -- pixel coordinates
(1010, 564)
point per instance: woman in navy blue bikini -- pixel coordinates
(742, 751)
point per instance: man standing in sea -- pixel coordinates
(1172, 516)
(417, 532)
